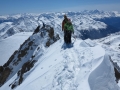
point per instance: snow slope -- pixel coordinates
(111, 44)
(9, 45)
(81, 66)
(84, 65)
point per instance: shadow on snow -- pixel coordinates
(65, 46)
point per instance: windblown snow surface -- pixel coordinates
(84, 65)
(111, 44)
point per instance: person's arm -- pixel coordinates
(63, 25)
(72, 29)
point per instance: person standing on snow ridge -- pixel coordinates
(67, 27)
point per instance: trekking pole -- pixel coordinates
(74, 38)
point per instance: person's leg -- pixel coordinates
(65, 36)
(69, 37)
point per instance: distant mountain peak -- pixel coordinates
(86, 20)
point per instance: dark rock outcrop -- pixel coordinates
(26, 67)
(52, 38)
(4, 75)
(116, 70)
(1, 69)
(36, 30)
(117, 75)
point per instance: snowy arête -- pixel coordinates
(42, 61)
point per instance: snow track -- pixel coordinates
(84, 66)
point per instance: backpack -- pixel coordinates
(68, 25)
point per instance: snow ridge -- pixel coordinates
(43, 62)
(65, 67)
(69, 68)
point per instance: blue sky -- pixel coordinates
(39, 6)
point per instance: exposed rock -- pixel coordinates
(30, 43)
(23, 52)
(1, 69)
(48, 43)
(117, 75)
(51, 33)
(36, 30)
(26, 67)
(13, 86)
(52, 38)
(4, 75)
(116, 69)
(24, 43)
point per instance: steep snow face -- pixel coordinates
(80, 66)
(85, 20)
(101, 79)
(112, 46)
(9, 45)
(23, 59)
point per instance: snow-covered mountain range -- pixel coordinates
(38, 58)
(85, 23)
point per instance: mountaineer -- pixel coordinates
(67, 27)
